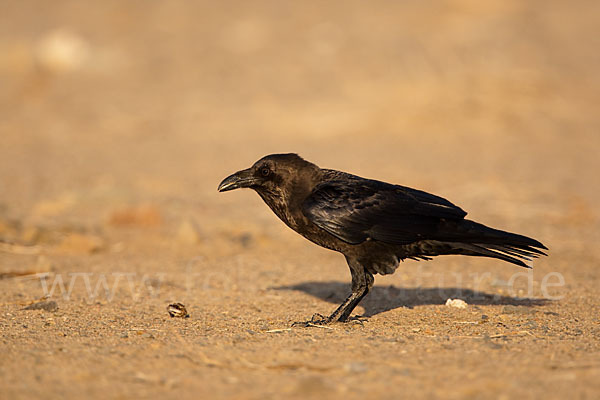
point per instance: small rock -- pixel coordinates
(456, 303)
(43, 305)
(177, 310)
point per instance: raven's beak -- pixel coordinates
(241, 179)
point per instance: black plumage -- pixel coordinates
(374, 224)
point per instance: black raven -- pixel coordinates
(374, 224)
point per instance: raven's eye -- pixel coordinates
(265, 171)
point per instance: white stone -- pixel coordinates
(456, 303)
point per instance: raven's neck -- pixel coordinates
(286, 201)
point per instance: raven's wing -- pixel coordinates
(355, 210)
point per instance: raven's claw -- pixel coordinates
(317, 319)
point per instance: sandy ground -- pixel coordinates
(119, 118)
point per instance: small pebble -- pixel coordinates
(43, 305)
(177, 310)
(456, 303)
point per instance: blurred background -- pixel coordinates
(118, 119)
(116, 100)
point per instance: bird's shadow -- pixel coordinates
(385, 298)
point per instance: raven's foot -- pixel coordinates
(321, 320)
(317, 319)
(357, 319)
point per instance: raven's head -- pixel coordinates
(270, 174)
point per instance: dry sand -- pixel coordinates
(119, 118)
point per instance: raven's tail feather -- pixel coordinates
(511, 254)
(474, 239)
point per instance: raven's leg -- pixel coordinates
(362, 282)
